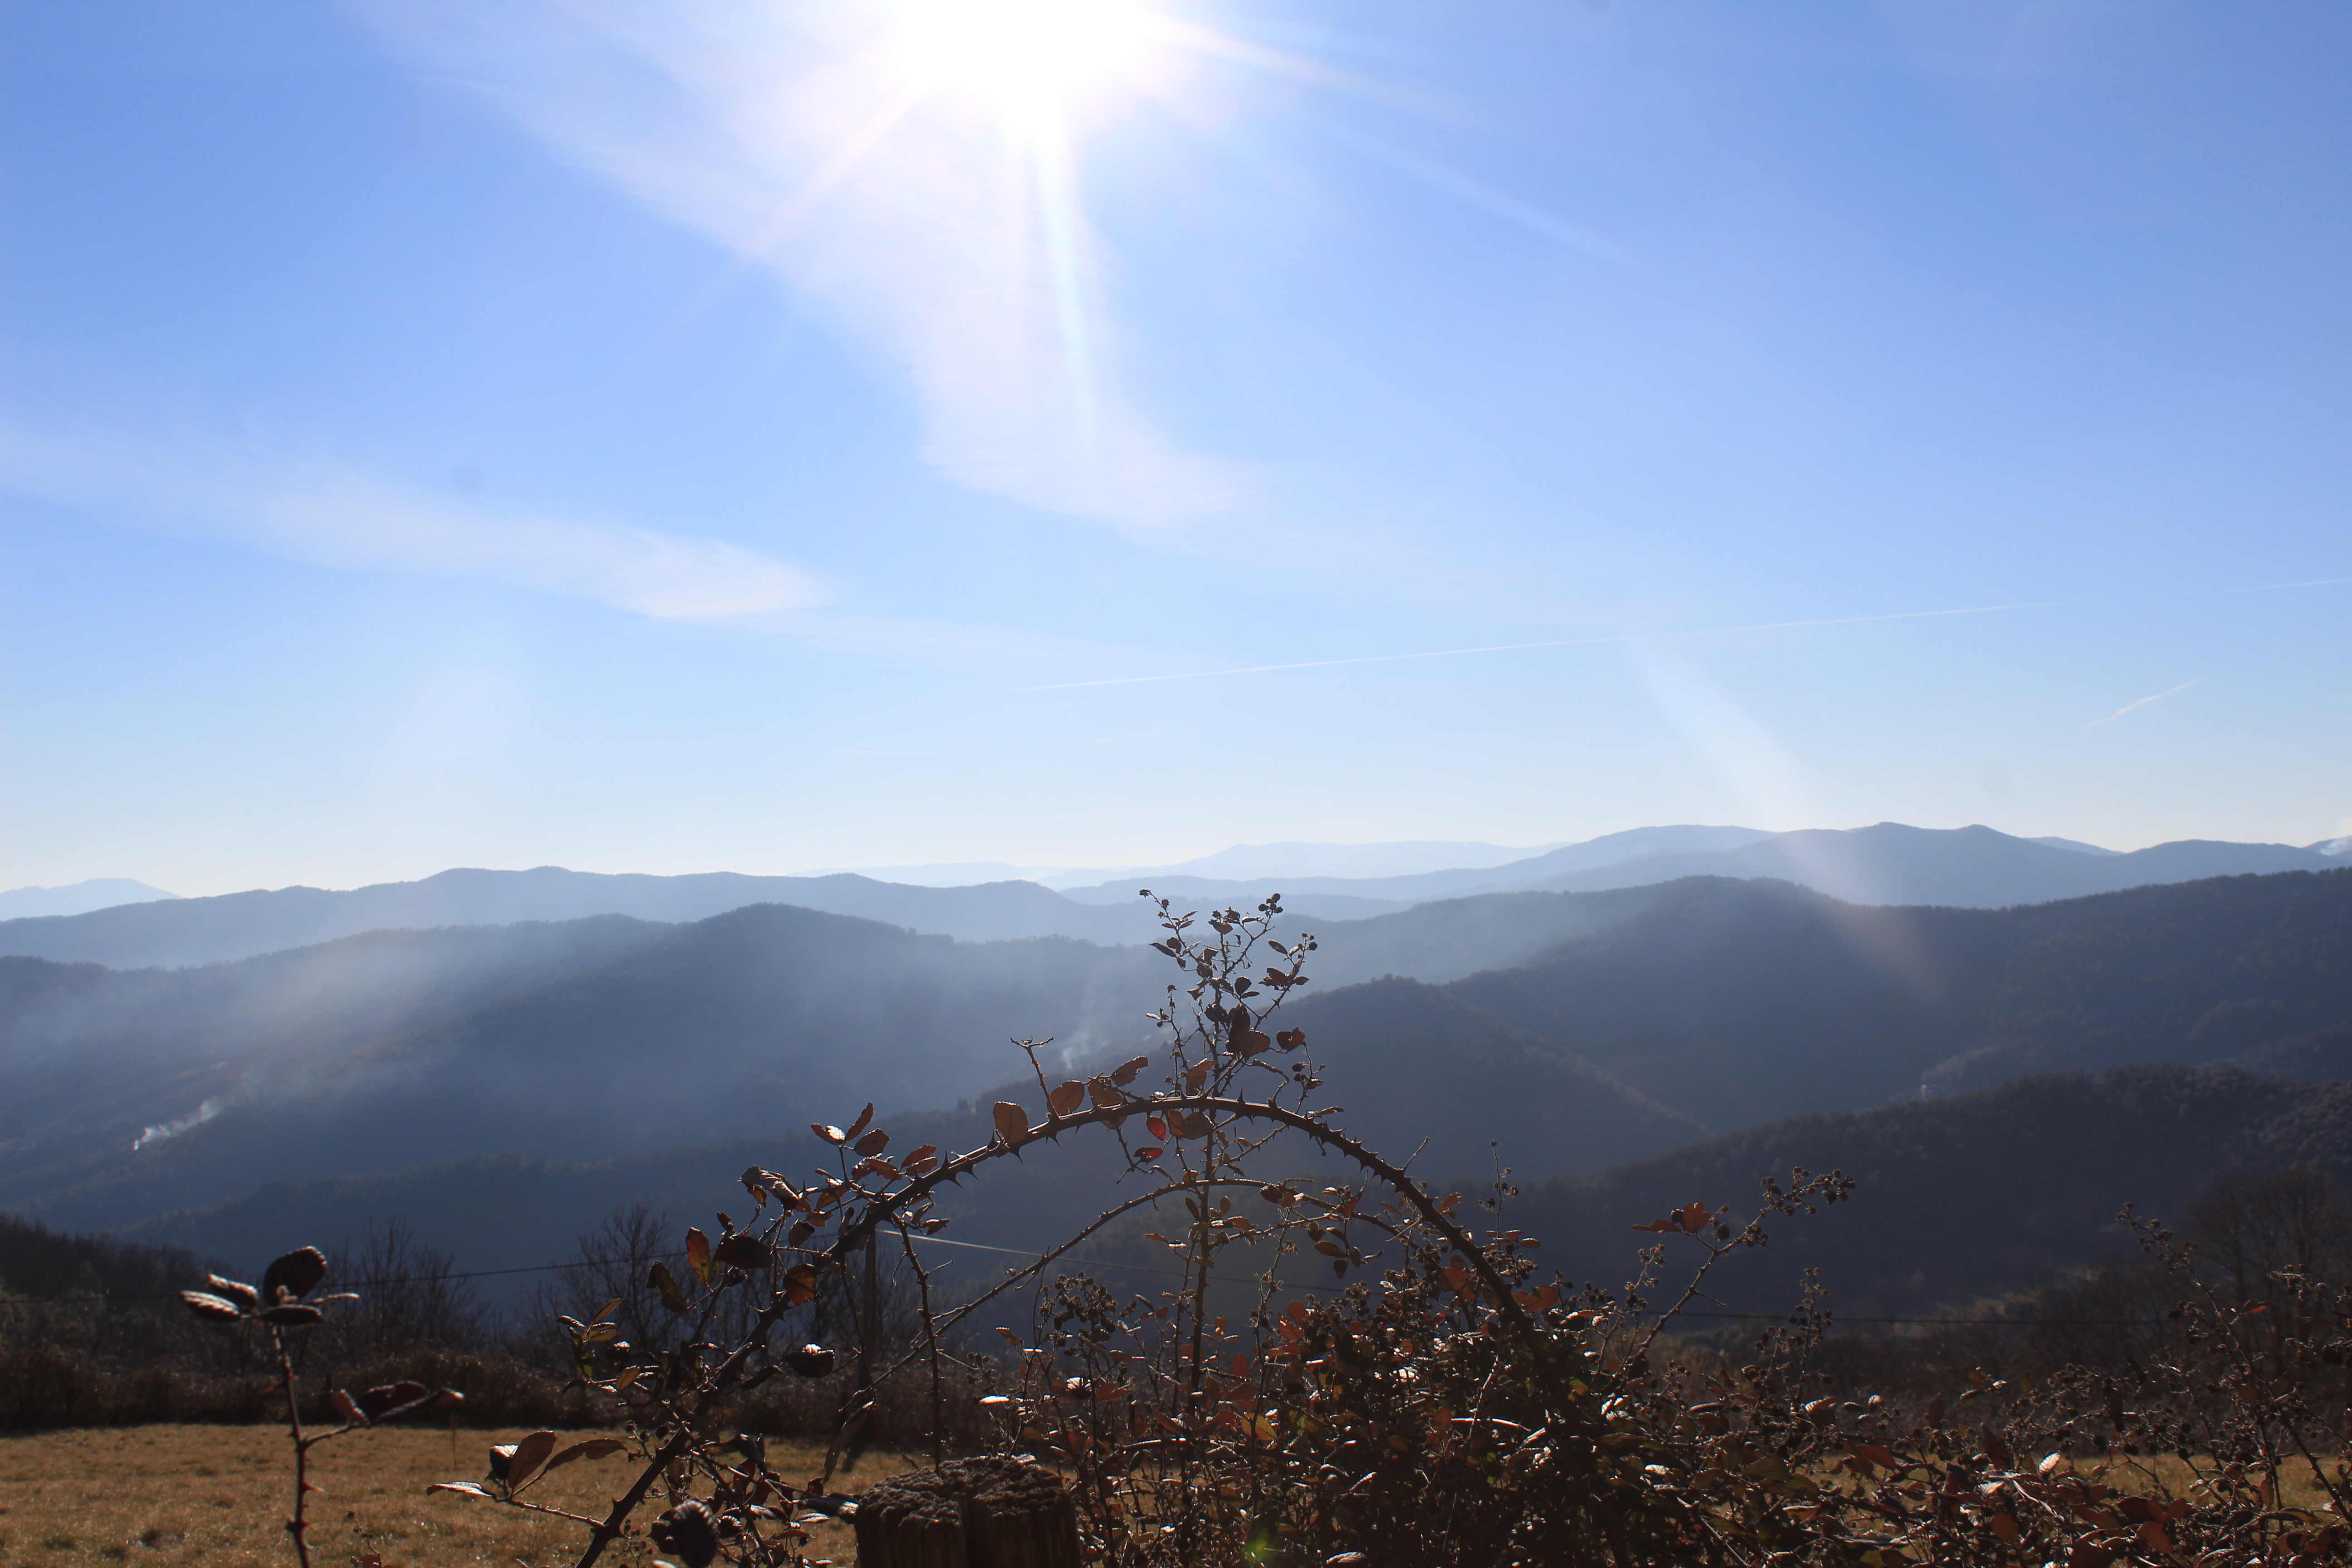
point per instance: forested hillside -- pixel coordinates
(723, 1029)
(1955, 1200)
(1960, 1198)
(1647, 1020)
(1740, 1002)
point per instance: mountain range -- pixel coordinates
(1245, 862)
(130, 1089)
(2030, 1031)
(1611, 1037)
(1886, 864)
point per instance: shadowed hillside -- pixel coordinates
(1419, 1074)
(1743, 1001)
(1963, 1197)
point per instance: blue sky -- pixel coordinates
(674, 438)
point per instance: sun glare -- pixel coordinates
(1027, 58)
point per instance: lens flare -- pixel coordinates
(1027, 58)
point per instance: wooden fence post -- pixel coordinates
(969, 1513)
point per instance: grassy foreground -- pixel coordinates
(169, 1495)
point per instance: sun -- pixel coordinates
(1030, 59)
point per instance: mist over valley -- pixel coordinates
(450, 1064)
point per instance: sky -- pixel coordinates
(766, 435)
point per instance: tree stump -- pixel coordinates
(969, 1513)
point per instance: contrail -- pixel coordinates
(2141, 703)
(1525, 646)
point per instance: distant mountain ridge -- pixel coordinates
(1887, 864)
(242, 925)
(1456, 881)
(2075, 844)
(1454, 866)
(1292, 860)
(76, 898)
(1969, 868)
(1285, 859)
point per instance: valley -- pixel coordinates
(500, 1087)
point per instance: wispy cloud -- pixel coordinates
(339, 517)
(2140, 703)
(959, 258)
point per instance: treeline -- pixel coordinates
(2243, 1235)
(93, 1333)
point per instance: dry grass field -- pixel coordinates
(2300, 1486)
(171, 1495)
(218, 1495)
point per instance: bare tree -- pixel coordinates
(410, 1297)
(2252, 1232)
(614, 1261)
(2250, 1228)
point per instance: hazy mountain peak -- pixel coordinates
(1401, 859)
(953, 873)
(2054, 842)
(78, 898)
